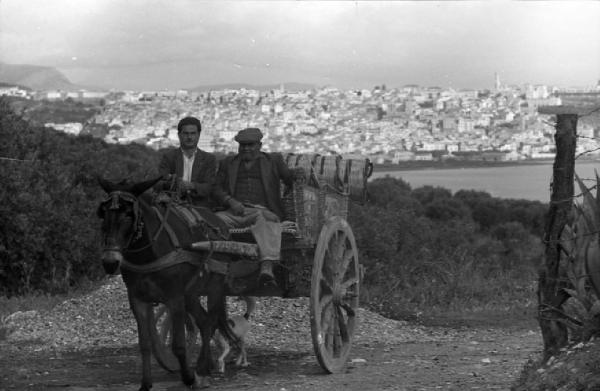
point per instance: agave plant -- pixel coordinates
(580, 264)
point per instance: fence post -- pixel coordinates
(551, 279)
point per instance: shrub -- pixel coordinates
(429, 254)
(428, 194)
(384, 190)
(447, 209)
(49, 236)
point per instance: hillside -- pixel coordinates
(35, 77)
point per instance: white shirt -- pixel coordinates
(188, 163)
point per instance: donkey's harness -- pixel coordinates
(178, 256)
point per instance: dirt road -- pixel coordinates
(469, 359)
(90, 344)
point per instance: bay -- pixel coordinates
(525, 181)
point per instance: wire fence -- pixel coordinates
(592, 111)
(10, 159)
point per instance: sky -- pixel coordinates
(173, 44)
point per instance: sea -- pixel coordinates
(521, 181)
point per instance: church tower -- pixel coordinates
(497, 84)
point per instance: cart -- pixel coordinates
(319, 259)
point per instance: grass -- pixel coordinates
(472, 296)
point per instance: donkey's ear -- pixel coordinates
(104, 184)
(141, 187)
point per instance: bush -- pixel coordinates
(447, 209)
(49, 236)
(428, 194)
(384, 190)
(429, 251)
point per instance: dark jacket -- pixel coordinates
(273, 170)
(203, 173)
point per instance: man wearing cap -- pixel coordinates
(249, 185)
(192, 168)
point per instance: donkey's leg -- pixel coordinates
(217, 307)
(195, 308)
(141, 312)
(179, 314)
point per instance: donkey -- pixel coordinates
(146, 242)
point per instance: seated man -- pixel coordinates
(193, 168)
(248, 184)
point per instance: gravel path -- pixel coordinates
(91, 343)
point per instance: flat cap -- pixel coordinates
(249, 135)
(189, 121)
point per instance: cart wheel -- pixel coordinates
(161, 339)
(334, 294)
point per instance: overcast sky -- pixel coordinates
(171, 44)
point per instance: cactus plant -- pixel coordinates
(580, 266)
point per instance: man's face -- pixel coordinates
(249, 151)
(189, 136)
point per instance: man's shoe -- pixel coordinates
(266, 277)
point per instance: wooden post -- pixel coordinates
(551, 281)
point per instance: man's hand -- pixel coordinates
(168, 182)
(236, 207)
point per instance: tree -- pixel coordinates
(49, 232)
(447, 209)
(427, 194)
(382, 191)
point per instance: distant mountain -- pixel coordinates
(268, 87)
(35, 77)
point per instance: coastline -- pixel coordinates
(453, 164)
(515, 180)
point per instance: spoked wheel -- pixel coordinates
(162, 338)
(334, 294)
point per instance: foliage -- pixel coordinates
(59, 111)
(446, 209)
(428, 194)
(575, 368)
(428, 250)
(488, 211)
(48, 239)
(387, 189)
(579, 268)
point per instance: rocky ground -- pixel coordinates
(89, 343)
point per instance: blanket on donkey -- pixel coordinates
(201, 218)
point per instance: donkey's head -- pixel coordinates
(121, 219)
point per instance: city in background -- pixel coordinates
(388, 125)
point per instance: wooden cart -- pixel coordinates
(319, 259)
